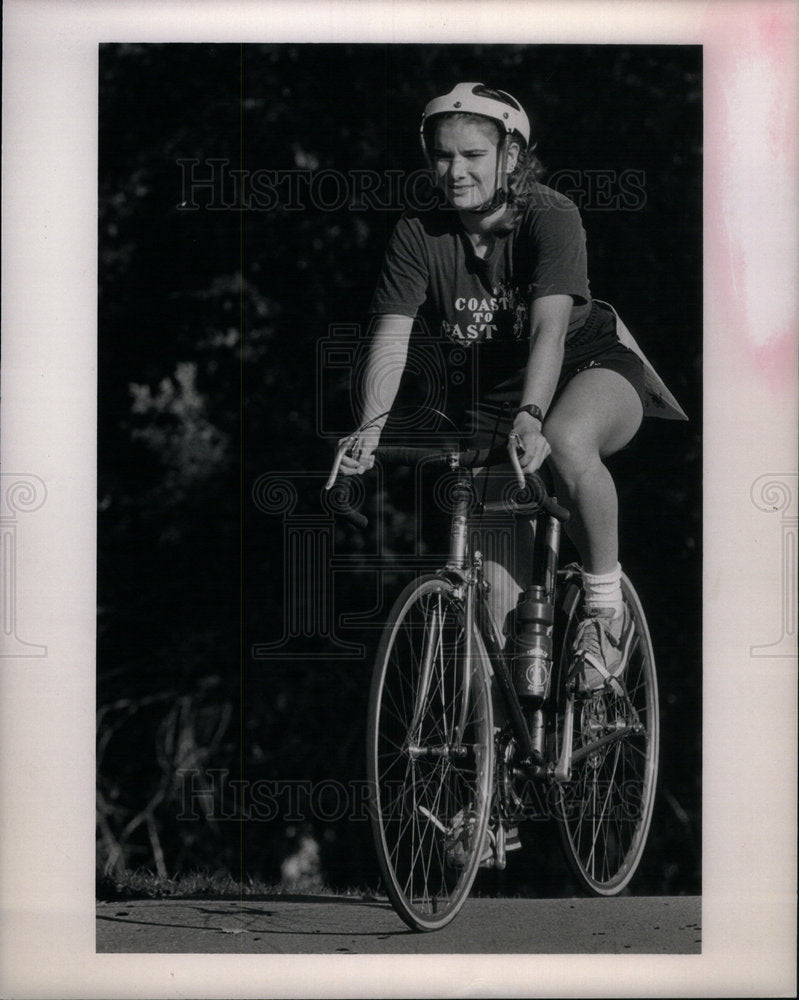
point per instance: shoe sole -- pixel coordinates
(582, 687)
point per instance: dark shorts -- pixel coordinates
(594, 345)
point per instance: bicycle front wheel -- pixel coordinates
(430, 755)
(606, 809)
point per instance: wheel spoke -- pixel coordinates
(423, 779)
(605, 817)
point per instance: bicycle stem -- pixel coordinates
(462, 495)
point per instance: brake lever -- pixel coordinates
(514, 447)
(343, 448)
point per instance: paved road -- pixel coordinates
(334, 924)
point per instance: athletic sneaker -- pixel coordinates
(501, 839)
(512, 842)
(457, 845)
(601, 649)
(455, 850)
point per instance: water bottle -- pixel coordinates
(532, 649)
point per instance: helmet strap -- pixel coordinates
(500, 195)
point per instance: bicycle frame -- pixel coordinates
(467, 571)
(464, 569)
(460, 771)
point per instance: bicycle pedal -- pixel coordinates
(499, 846)
(512, 842)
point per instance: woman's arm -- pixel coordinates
(549, 321)
(388, 353)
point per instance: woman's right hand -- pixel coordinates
(534, 446)
(362, 458)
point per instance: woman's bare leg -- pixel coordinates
(597, 413)
(506, 544)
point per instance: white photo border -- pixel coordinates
(50, 79)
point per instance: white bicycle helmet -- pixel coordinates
(500, 107)
(478, 99)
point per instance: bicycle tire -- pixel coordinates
(431, 791)
(604, 812)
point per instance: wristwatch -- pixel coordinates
(532, 409)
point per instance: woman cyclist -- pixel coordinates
(499, 267)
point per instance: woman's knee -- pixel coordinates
(574, 448)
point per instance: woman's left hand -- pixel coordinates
(536, 447)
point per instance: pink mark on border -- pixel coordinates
(751, 171)
(778, 357)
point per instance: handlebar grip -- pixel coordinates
(344, 508)
(533, 491)
(535, 487)
(554, 508)
(355, 518)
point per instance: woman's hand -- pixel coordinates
(362, 457)
(535, 446)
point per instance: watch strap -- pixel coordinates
(532, 409)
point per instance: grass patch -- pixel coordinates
(144, 884)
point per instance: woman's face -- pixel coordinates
(464, 156)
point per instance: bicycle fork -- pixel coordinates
(431, 659)
(457, 567)
(456, 564)
(431, 643)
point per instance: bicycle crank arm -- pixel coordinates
(563, 768)
(434, 820)
(602, 741)
(443, 751)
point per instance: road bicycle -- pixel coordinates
(463, 727)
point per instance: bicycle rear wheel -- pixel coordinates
(430, 755)
(605, 811)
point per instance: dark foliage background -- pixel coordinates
(214, 412)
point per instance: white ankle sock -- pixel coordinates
(603, 590)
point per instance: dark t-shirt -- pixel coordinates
(431, 271)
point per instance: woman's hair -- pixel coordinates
(522, 179)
